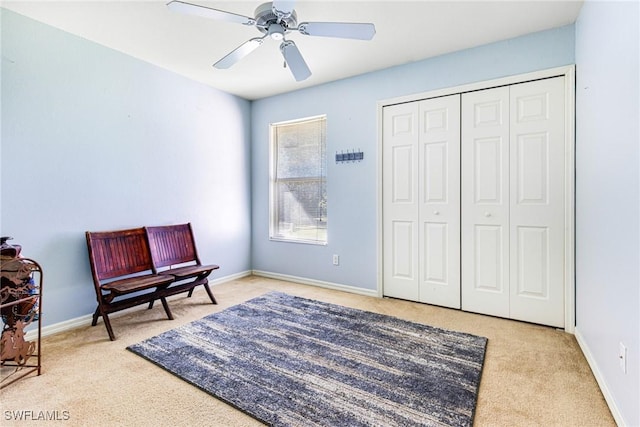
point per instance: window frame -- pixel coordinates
(274, 231)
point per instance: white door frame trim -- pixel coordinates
(569, 180)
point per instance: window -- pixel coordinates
(298, 195)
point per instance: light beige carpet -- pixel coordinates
(533, 375)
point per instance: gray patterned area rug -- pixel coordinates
(291, 361)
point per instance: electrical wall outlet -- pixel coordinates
(622, 355)
(336, 259)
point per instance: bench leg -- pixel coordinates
(151, 305)
(107, 324)
(166, 308)
(208, 289)
(96, 314)
(190, 293)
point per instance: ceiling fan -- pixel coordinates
(276, 19)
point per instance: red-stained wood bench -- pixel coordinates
(174, 253)
(123, 274)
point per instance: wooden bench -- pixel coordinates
(173, 252)
(121, 268)
(141, 265)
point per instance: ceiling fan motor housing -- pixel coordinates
(265, 17)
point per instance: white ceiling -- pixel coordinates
(189, 45)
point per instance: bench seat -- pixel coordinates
(139, 283)
(189, 271)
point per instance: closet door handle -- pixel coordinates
(436, 212)
(487, 214)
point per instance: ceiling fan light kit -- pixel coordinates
(276, 19)
(276, 32)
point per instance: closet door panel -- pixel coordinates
(537, 201)
(400, 201)
(439, 205)
(485, 201)
(489, 259)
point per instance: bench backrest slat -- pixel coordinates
(118, 253)
(172, 244)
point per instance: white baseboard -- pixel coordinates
(63, 326)
(230, 277)
(319, 283)
(608, 397)
(86, 320)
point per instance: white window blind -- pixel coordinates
(299, 181)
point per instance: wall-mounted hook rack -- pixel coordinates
(349, 156)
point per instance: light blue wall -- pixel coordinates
(608, 195)
(95, 140)
(350, 106)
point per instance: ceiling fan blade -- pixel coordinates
(345, 30)
(238, 53)
(282, 7)
(207, 12)
(294, 60)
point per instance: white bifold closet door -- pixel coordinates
(485, 201)
(513, 141)
(421, 201)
